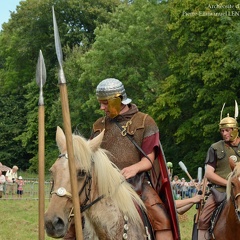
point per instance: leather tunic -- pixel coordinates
(123, 151)
(220, 152)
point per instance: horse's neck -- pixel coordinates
(104, 209)
(228, 226)
(107, 221)
(228, 215)
(103, 217)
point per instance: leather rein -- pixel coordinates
(62, 192)
(234, 198)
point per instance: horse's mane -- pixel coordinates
(234, 173)
(110, 181)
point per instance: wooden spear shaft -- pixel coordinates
(41, 166)
(68, 133)
(41, 79)
(202, 201)
(71, 161)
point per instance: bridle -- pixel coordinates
(62, 192)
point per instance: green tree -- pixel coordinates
(29, 30)
(132, 48)
(202, 78)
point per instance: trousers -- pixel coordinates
(156, 209)
(205, 217)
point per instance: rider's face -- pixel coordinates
(104, 106)
(226, 133)
(111, 107)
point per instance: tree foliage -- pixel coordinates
(178, 60)
(202, 77)
(29, 30)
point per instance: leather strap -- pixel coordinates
(139, 148)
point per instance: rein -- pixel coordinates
(234, 203)
(62, 192)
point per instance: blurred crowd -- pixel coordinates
(184, 189)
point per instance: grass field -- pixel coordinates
(19, 220)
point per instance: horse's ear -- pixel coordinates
(231, 163)
(61, 140)
(96, 142)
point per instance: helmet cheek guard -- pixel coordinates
(234, 134)
(114, 106)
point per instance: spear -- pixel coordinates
(200, 205)
(184, 168)
(68, 132)
(41, 79)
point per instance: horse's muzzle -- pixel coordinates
(55, 227)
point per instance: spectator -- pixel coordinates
(191, 188)
(2, 181)
(11, 177)
(176, 185)
(184, 188)
(20, 184)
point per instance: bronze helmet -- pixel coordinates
(230, 122)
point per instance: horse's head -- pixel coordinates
(233, 186)
(59, 213)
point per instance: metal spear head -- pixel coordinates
(41, 76)
(58, 48)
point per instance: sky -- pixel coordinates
(5, 7)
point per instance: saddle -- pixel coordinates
(220, 199)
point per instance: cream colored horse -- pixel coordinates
(107, 201)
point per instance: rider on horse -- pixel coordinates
(218, 169)
(132, 138)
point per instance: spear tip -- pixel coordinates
(41, 71)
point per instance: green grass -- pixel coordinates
(19, 217)
(186, 224)
(19, 220)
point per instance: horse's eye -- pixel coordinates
(81, 173)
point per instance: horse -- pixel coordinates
(109, 205)
(227, 226)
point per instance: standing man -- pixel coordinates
(218, 169)
(2, 181)
(11, 177)
(123, 122)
